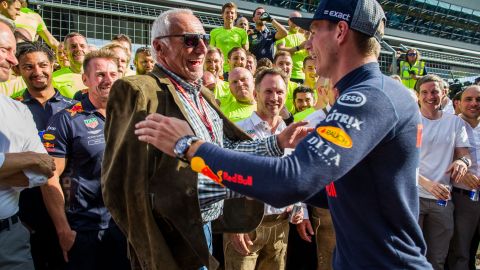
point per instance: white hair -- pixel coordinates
(161, 26)
(7, 22)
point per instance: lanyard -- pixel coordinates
(202, 114)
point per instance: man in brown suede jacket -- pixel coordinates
(162, 206)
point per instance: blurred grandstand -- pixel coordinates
(447, 33)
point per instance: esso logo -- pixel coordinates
(352, 99)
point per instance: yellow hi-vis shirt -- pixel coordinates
(406, 69)
(67, 82)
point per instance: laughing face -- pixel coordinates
(172, 53)
(76, 48)
(430, 96)
(470, 103)
(270, 95)
(229, 15)
(36, 70)
(99, 78)
(7, 52)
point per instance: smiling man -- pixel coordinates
(68, 80)
(365, 172)
(35, 65)
(164, 207)
(74, 137)
(228, 36)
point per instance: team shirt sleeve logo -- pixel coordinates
(198, 165)
(352, 99)
(336, 136)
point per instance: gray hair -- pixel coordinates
(161, 25)
(7, 22)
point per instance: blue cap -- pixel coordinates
(364, 16)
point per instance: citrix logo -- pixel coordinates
(337, 14)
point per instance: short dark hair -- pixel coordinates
(27, 47)
(264, 62)
(302, 89)
(428, 78)
(229, 5)
(269, 71)
(308, 58)
(102, 53)
(144, 50)
(72, 34)
(253, 56)
(123, 37)
(236, 49)
(255, 11)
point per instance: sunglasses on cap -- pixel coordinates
(191, 40)
(412, 54)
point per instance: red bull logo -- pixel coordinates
(198, 165)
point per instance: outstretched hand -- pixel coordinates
(293, 134)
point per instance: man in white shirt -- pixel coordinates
(444, 155)
(467, 207)
(23, 162)
(266, 247)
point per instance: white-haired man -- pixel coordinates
(156, 199)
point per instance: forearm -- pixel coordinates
(286, 178)
(15, 180)
(13, 165)
(54, 200)
(281, 31)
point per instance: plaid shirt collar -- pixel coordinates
(191, 88)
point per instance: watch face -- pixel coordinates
(181, 146)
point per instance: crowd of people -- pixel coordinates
(262, 148)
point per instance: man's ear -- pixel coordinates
(342, 31)
(158, 46)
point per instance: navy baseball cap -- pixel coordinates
(361, 15)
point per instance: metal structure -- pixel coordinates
(99, 20)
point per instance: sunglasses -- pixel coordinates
(191, 40)
(411, 54)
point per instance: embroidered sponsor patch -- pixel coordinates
(77, 108)
(91, 122)
(352, 99)
(324, 151)
(48, 145)
(347, 120)
(94, 132)
(336, 136)
(48, 137)
(96, 141)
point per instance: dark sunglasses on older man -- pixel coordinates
(191, 40)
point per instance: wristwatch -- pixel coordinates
(182, 146)
(466, 161)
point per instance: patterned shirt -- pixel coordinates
(210, 194)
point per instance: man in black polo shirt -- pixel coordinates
(262, 40)
(35, 65)
(87, 234)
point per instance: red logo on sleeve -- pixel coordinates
(419, 135)
(331, 191)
